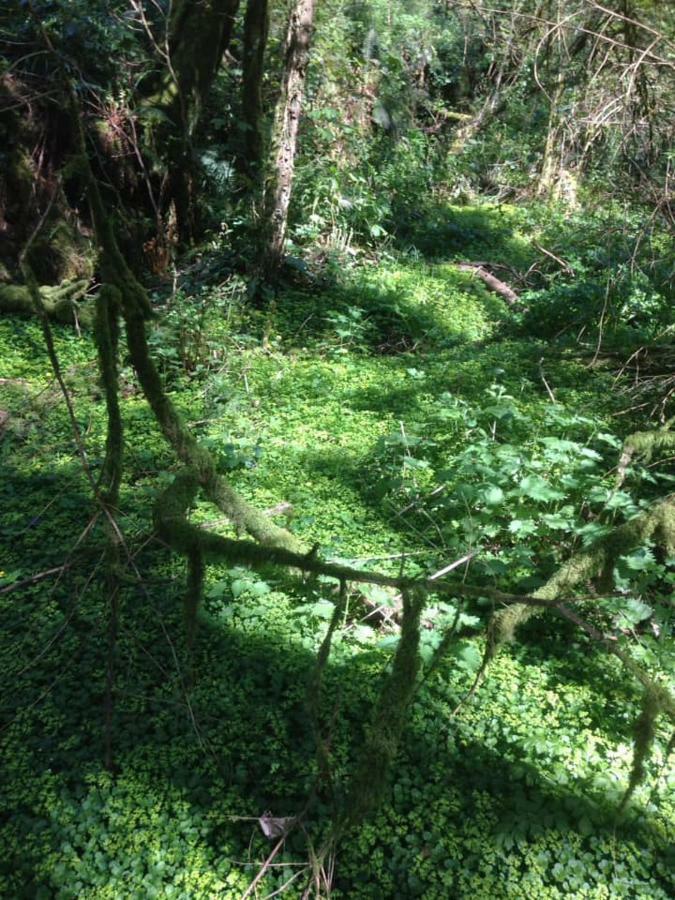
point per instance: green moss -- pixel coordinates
(655, 700)
(60, 302)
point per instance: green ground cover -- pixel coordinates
(400, 409)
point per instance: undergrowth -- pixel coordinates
(404, 416)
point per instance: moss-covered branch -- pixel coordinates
(644, 444)
(173, 527)
(60, 302)
(658, 524)
(391, 714)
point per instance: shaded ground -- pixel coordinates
(515, 797)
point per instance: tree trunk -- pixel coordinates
(199, 34)
(552, 164)
(256, 28)
(280, 185)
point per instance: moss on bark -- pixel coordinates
(391, 714)
(657, 524)
(60, 302)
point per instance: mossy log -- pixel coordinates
(60, 302)
(173, 527)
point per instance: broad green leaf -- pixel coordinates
(538, 489)
(493, 496)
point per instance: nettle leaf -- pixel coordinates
(362, 634)
(323, 609)
(493, 495)
(639, 561)
(378, 595)
(635, 611)
(259, 588)
(537, 488)
(558, 521)
(218, 590)
(523, 526)
(620, 500)
(590, 454)
(468, 657)
(559, 444)
(592, 531)
(239, 586)
(389, 643)
(246, 585)
(495, 566)
(410, 463)
(610, 439)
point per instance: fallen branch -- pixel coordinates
(33, 579)
(170, 516)
(491, 281)
(595, 563)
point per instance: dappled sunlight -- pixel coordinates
(337, 522)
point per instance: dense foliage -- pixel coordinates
(462, 378)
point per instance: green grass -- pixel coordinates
(515, 797)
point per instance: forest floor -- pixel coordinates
(400, 409)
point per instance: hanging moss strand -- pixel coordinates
(390, 717)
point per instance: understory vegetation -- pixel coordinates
(344, 569)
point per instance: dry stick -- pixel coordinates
(62, 628)
(389, 613)
(546, 384)
(566, 266)
(490, 281)
(33, 579)
(265, 866)
(284, 886)
(48, 690)
(601, 326)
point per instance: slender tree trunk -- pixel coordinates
(551, 164)
(280, 185)
(256, 27)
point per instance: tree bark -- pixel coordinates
(256, 28)
(279, 188)
(199, 34)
